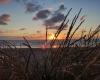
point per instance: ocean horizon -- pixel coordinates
(19, 43)
(33, 43)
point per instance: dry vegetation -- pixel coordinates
(69, 61)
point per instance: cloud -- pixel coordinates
(22, 29)
(8, 31)
(56, 27)
(54, 19)
(60, 9)
(4, 1)
(4, 19)
(1, 31)
(2, 23)
(51, 17)
(38, 32)
(42, 14)
(32, 7)
(83, 17)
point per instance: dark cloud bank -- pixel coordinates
(4, 19)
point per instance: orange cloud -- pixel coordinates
(8, 32)
(35, 36)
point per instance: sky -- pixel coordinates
(29, 17)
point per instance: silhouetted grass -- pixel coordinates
(71, 60)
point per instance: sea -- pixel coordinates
(21, 43)
(33, 43)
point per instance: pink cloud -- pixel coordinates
(4, 1)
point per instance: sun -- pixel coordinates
(52, 36)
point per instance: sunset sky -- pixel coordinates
(28, 17)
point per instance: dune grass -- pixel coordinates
(69, 61)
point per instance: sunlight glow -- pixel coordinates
(52, 36)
